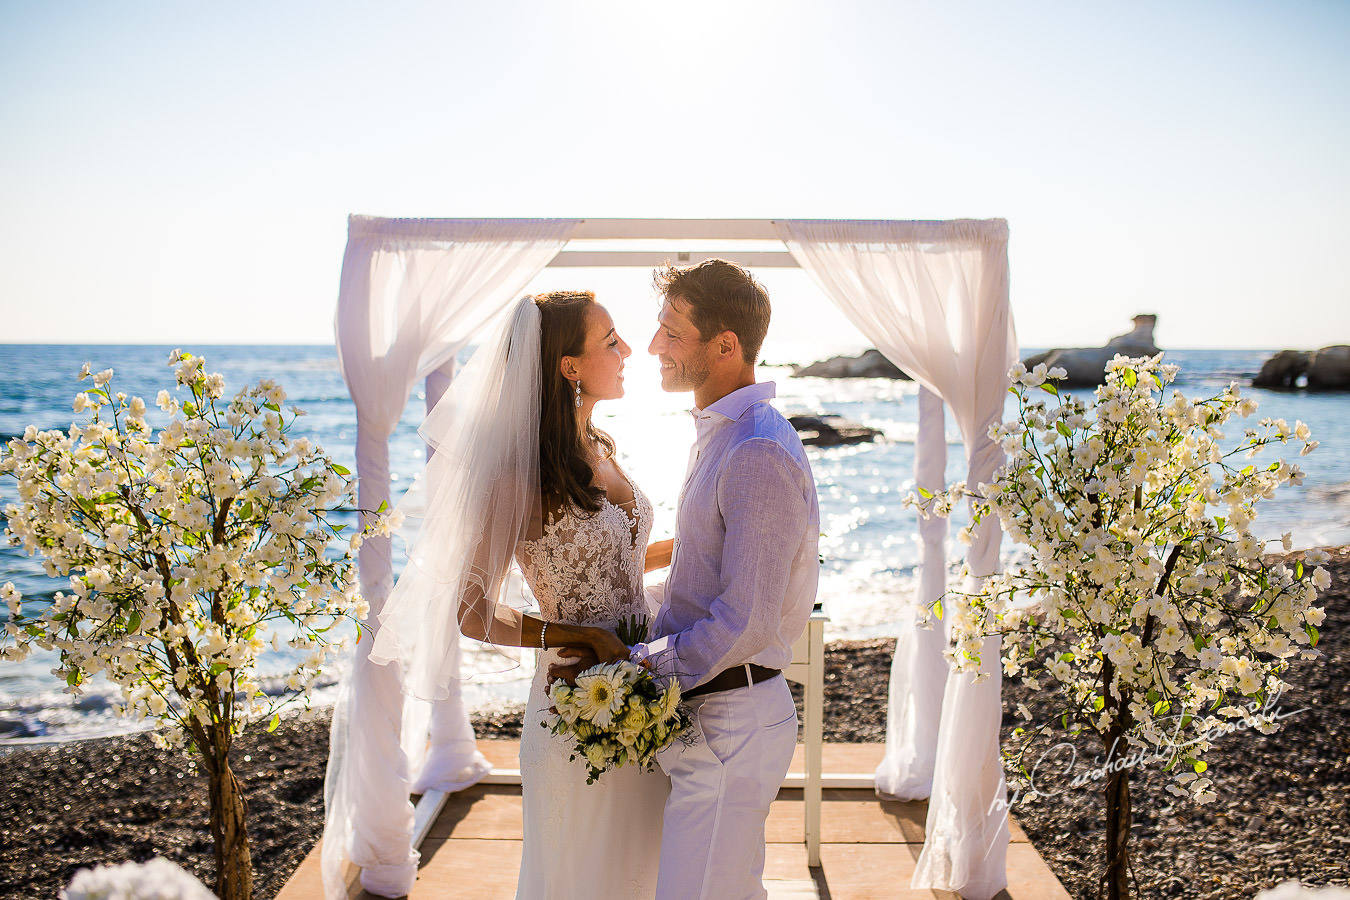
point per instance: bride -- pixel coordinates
(521, 474)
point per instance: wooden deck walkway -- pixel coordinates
(869, 847)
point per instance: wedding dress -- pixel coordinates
(601, 840)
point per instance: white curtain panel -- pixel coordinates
(414, 292)
(919, 670)
(933, 298)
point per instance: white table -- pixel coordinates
(808, 670)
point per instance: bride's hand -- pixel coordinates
(587, 644)
(606, 646)
(583, 658)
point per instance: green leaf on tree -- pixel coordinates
(1130, 377)
(341, 470)
(925, 493)
(1312, 633)
(937, 608)
(272, 725)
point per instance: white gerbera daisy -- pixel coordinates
(599, 695)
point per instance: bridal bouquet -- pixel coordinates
(617, 713)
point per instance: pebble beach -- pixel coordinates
(1282, 812)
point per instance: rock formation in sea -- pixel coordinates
(1327, 369)
(1087, 365)
(870, 365)
(831, 431)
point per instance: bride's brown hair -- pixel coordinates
(564, 472)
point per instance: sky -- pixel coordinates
(182, 173)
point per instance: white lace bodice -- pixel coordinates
(587, 568)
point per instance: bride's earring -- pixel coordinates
(578, 393)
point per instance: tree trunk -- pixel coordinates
(234, 864)
(1117, 877)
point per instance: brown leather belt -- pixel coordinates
(735, 677)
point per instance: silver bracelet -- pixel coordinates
(543, 630)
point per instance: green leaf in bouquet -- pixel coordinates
(632, 629)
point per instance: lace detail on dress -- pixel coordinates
(586, 569)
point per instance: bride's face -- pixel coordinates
(600, 365)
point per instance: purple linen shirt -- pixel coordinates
(746, 562)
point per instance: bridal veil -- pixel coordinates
(480, 488)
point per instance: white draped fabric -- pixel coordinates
(919, 669)
(413, 294)
(933, 298)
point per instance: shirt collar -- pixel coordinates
(733, 405)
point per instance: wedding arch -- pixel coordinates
(932, 296)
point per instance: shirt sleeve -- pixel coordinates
(761, 497)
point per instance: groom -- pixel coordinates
(741, 586)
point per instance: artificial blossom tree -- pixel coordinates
(1143, 598)
(186, 548)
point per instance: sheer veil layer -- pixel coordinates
(480, 489)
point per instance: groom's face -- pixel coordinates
(680, 348)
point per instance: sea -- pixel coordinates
(869, 544)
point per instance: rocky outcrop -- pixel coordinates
(1327, 369)
(1087, 365)
(831, 431)
(870, 365)
(1283, 371)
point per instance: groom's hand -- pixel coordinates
(588, 645)
(607, 646)
(584, 658)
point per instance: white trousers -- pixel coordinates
(712, 843)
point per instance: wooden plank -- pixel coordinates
(869, 848)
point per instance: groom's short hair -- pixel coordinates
(721, 296)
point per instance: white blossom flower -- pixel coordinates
(157, 879)
(94, 524)
(1147, 579)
